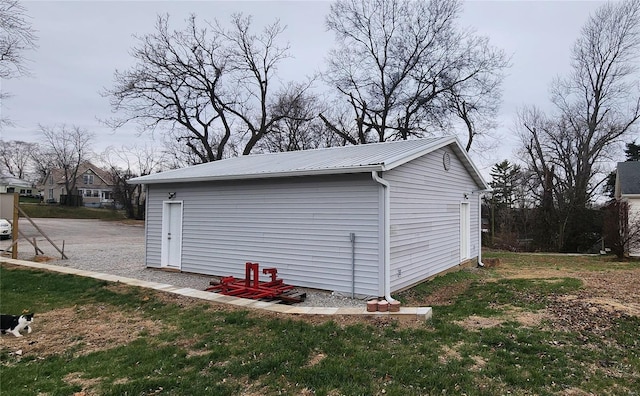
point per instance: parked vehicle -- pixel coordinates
(5, 229)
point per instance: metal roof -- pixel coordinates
(334, 160)
(628, 177)
(13, 181)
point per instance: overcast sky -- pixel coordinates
(82, 43)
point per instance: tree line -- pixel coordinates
(400, 69)
(564, 151)
(517, 221)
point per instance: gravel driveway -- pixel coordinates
(117, 248)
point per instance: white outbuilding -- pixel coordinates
(627, 189)
(367, 220)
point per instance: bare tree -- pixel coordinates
(301, 129)
(595, 107)
(404, 69)
(16, 159)
(127, 162)
(621, 228)
(536, 153)
(16, 37)
(210, 87)
(43, 161)
(68, 147)
(475, 104)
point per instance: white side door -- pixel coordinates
(171, 234)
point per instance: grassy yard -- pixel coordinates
(57, 211)
(494, 331)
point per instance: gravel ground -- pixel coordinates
(118, 248)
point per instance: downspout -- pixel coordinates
(480, 193)
(352, 237)
(387, 235)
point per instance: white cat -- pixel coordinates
(15, 324)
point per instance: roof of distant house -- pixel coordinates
(13, 181)
(326, 161)
(628, 177)
(58, 174)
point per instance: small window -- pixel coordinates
(87, 178)
(87, 193)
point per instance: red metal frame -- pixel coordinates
(252, 287)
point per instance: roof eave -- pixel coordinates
(313, 172)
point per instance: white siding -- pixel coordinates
(300, 226)
(425, 217)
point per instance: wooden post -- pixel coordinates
(14, 228)
(26, 216)
(35, 246)
(33, 243)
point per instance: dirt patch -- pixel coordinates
(611, 304)
(531, 319)
(316, 359)
(578, 313)
(619, 285)
(594, 309)
(479, 363)
(611, 290)
(442, 296)
(575, 392)
(447, 295)
(79, 330)
(42, 259)
(491, 262)
(474, 322)
(448, 354)
(85, 383)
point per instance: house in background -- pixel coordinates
(627, 189)
(11, 184)
(366, 220)
(93, 184)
